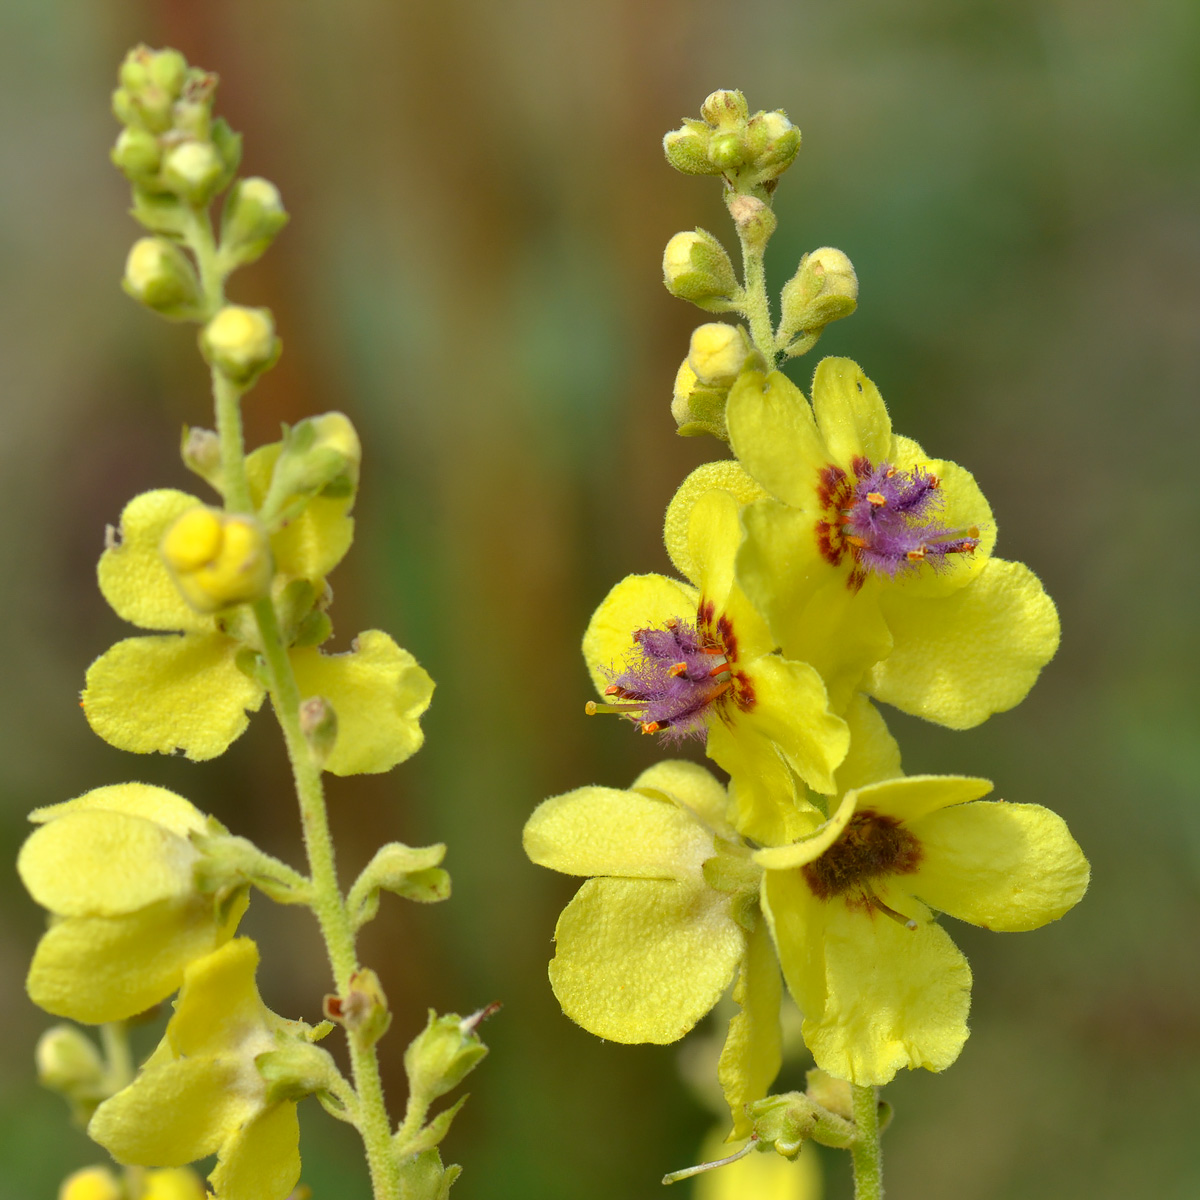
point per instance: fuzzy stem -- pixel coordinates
(756, 303)
(868, 1163)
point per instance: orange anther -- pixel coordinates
(877, 499)
(612, 690)
(973, 532)
(855, 541)
(916, 555)
(680, 668)
(650, 726)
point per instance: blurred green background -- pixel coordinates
(472, 273)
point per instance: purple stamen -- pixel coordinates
(670, 679)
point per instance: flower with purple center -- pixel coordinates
(698, 661)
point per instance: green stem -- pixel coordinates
(868, 1163)
(757, 307)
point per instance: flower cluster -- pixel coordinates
(830, 564)
(144, 892)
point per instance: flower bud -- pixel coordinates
(364, 1010)
(92, 1183)
(697, 268)
(318, 455)
(252, 216)
(173, 1183)
(754, 220)
(150, 83)
(698, 408)
(217, 559)
(726, 152)
(718, 352)
(200, 450)
(137, 154)
(786, 1121)
(160, 275)
(193, 171)
(687, 149)
(241, 342)
(774, 142)
(725, 109)
(318, 723)
(823, 289)
(67, 1060)
(443, 1053)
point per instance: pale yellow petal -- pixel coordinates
(753, 1050)
(914, 796)
(796, 919)
(850, 414)
(378, 691)
(155, 804)
(219, 1004)
(959, 658)
(691, 785)
(173, 1114)
(262, 1160)
(811, 847)
(603, 831)
(874, 754)
(728, 475)
(637, 602)
(1002, 866)
(771, 429)
(103, 864)
(642, 960)
(132, 574)
(780, 565)
(170, 693)
(896, 997)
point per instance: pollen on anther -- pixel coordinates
(918, 554)
(878, 499)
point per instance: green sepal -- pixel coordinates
(788, 1120)
(298, 1069)
(160, 212)
(412, 873)
(431, 1134)
(422, 1176)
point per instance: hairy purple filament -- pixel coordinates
(670, 680)
(887, 519)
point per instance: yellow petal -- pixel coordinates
(132, 574)
(961, 657)
(219, 1005)
(811, 847)
(174, 1183)
(602, 831)
(1002, 866)
(796, 919)
(753, 1053)
(791, 709)
(262, 1160)
(134, 799)
(873, 754)
(104, 864)
(689, 784)
(850, 414)
(914, 796)
(170, 693)
(173, 1113)
(98, 969)
(780, 564)
(758, 1176)
(728, 475)
(637, 602)
(378, 691)
(312, 544)
(642, 960)
(771, 429)
(896, 997)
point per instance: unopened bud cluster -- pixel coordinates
(751, 152)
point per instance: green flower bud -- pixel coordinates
(318, 455)
(726, 152)
(160, 212)
(363, 1010)
(229, 147)
(150, 83)
(160, 276)
(137, 154)
(754, 220)
(687, 149)
(69, 1063)
(823, 289)
(698, 408)
(697, 268)
(725, 109)
(192, 114)
(718, 352)
(193, 171)
(167, 69)
(241, 342)
(252, 216)
(789, 1120)
(774, 142)
(443, 1053)
(318, 723)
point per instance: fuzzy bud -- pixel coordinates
(725, 109)
(137, 154)
(718, 352)
(754, 220)
(252, 216)
(241, 342)
(441, 1055)
(217, 559)
(687, 149)
(193, 171)
(697, 268)
(823, 289)
(698, 408)
(363, 1010)
(69, 1063)
(160, 275)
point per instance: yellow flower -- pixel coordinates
(200, 1092)
(646, 947)
(879, 982)
(115, 869)
(699, 661)
(91, 1183)
(873, 562)
(185, 688)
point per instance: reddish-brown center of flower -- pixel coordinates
(871, 847)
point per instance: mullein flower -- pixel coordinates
(115, 868)
(873, 562)
(187, 687)
(201, 1091)
(698, 661)
(879, 982)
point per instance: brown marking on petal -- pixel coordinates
(727, 637)
(743, 691)
(831, 486)
(872, 846)
(856, 579)
(829, 542)
(862, 466)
